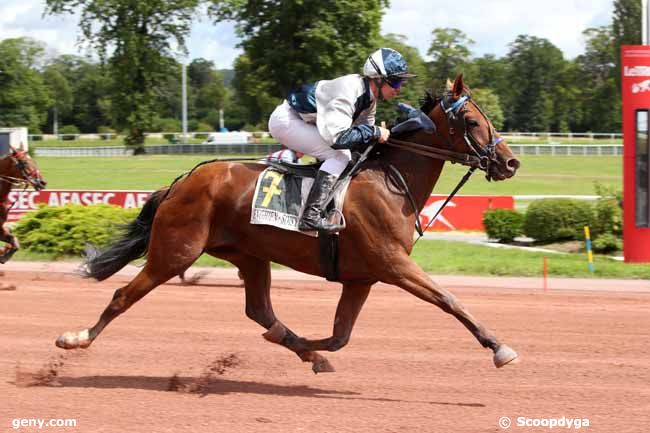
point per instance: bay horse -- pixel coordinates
(209, 210)
(16, 168)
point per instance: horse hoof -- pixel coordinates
(322, 366)
(505, 355)
(73, 340)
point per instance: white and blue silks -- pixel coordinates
(328, 119)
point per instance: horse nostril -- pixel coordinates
(513, 164)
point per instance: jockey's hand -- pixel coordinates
(385, 134)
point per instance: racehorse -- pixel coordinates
(17, 168)
(208, 212)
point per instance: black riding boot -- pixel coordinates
(312, 217)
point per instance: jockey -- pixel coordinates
(331, 118)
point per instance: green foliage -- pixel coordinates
(139, 35)
(289, 43)
(503, 225)
(450, 52)
(556, 219)
(607, 243)
(69, 129)
(608, 215)
(66, 230)
(24, 97)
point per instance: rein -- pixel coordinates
(482, 157)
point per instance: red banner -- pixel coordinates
(25, 201)
(464, 212)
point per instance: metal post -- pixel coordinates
(184, 97)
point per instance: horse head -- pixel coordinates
(24, 169)
(469, 131)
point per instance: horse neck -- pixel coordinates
(420, 172)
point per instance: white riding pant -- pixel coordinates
(286, 126)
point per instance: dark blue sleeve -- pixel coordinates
(357, 138)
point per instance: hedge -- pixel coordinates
(557, 219)
(503, 225)
(65, 230)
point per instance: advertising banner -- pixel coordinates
(464, 212)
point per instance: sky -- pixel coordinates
(492, 24)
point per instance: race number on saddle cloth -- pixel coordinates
(280, 198)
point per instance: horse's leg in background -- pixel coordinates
(165, 259)
(256, 274)
(12, 245)
(405, 273)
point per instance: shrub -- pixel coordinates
(105, 132)
(204, 128)
(607, 243)
(503, 224)
(65, 230)
(557, 219)
(608, 215)
(68, 129)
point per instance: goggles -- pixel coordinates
(395, 82)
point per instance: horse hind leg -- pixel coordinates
(160, 267)
(123, 298)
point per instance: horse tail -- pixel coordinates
(131, 245)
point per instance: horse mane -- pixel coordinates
(429, 101)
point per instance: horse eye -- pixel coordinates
(472, 123)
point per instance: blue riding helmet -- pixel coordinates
(388, 64)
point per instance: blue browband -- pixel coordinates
(456, 105)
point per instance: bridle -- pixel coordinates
(481, 157)
(487, 155)
(29, 176)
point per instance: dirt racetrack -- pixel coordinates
(186, 358)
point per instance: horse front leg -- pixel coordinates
(406, 274)
(12, 245)
(256, 274)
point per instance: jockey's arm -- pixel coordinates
(335, 125)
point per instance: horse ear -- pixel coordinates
(449, 86)
(459, 86)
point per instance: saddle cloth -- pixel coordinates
(280, 198)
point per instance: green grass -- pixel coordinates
(554, 175)
(538, 174)
(458, 258)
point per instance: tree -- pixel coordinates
(89, 84)
(597, 66)
(626, 28)
(138, 35)
(24, 97)
(450, 52)
(61, 92)
(534, 77)
(287, 43)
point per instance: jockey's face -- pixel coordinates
(388, 92)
